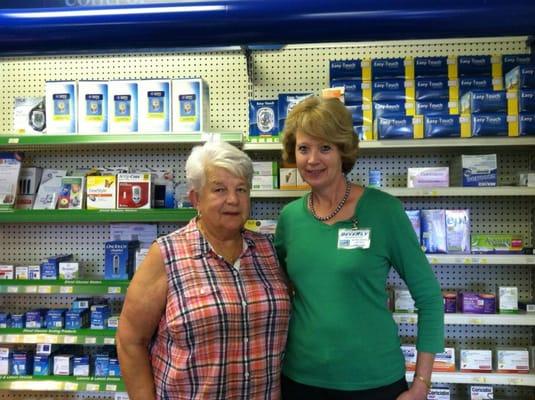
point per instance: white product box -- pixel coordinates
(71, 195)
(25, 201)
(439, 393)
(101, 192)
(49, 188)
(34, 272)
(29, 179)
(507, 299)
(29, 116)
(478, 392)
(10, 166)
(474, 170)
(288, 178)
(21, 272)
(261, 182)
(154, 106)
(512, 360)
(403, 301)
(445, 361)
(265, 226)
(427, 177)
(141, 253)
(133, 190)
(60, 107)
(63, 364)
(69, 270)
(265, 168)
(144, 233)
(92, 107)
(476, 360)
(7, 271)
(4, 360)
(190, 105)
(410, 354)
(122, 106)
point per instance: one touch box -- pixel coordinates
(92, 107)
(60, 107)
(190, 105)
(122, 106)
(154, 106)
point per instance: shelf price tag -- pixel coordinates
(71, 386)
(121, 396)
(30, 338)
(530, 260)
(475, 321)
(45, 289)
(480, 379)
(92, 387)
(90, 340)
(109, 340)
(69, 339)
(66, 289)
(13, 339)
(12, 289)
(13, 140)
(515, 381)
(111, 388)
(31, 289)
(114, 290)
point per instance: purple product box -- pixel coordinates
(450, 302)
(477, 303)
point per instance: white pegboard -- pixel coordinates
(291, 69)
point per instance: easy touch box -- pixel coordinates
(468, 83)
(392, 68)
(356, 69)
(60, 105)
(190, 105)
(521, 77)
(435, 66)
(433, 107)
(101, 192)
(398, 127)
(479, 65)
(433, 88)
(286, 102)
(354, 90)
(484, 101)
(439, 126)
(122, 106)
(392, 89)
(476, 360)
(92, 107)
(484, 125)
(133, 190)
(154, 106)
(474, 170)
(510, 61)
(263, 118)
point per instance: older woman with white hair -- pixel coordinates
(206, 314)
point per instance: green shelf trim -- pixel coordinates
(130, 138)
(55, 383)
(96, 337)
(78, 286)
(14, 216)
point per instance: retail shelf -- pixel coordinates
(481, 259)
(61, 383)
(421, 192)
(520, 319)
(58, 336)
(89, 287)
(13, 141)
(14, 216)
(424, 143)
(493, 378)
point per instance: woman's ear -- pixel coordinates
(193, 197)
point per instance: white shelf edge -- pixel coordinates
(521, 319)
(493, 378)
(481, 259)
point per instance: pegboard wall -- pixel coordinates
(290, 69)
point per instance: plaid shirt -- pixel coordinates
(223, 332)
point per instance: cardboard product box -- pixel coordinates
(134, 190)
(29, 115)
(10, 167)
(60, 104)
(101, 192)
(122, 106)
(263, 118)
(154, 106)
(190, 105)
(49, 189)
(71, 195)
(92, 107)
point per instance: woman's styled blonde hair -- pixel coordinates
(324, 119)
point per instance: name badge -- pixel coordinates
(354, 238)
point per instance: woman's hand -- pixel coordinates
(417, 391)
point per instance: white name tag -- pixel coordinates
(354, 238)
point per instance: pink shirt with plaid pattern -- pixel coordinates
(223, 332)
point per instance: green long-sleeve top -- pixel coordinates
(342, 334)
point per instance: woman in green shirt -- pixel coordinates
(337, 245)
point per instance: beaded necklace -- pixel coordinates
(336, 210)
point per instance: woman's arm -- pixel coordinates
(142, 310)
(422, 378)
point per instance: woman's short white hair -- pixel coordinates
(220, 155)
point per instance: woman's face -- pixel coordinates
(318, 162)
(223, 202)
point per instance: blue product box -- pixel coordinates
(35, 319)
(432, 107)
(17, 321)
(484, 101)
(431, 88)
(430, 66)
(50, 267)
(345, 69)
(81, 303)
(263, 118)
(388, 108)
(352, 89)
(356, 113)
(99, 318)
(388, 68)
(474, 66)
(433, 231)
(4, 319)
(55, 319)
(474, 83)
(76, 319)
(436, 126)
(41, 365)
(414, 217)
(526, 124)
(510, 61)
(489, 125)
(114, 368)
(80, 366)
(119, 259)
(526, 100)
(22, 363)
(101, 365)
(286, 102)
(394, 127)
(521, 77)
(388, 89)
